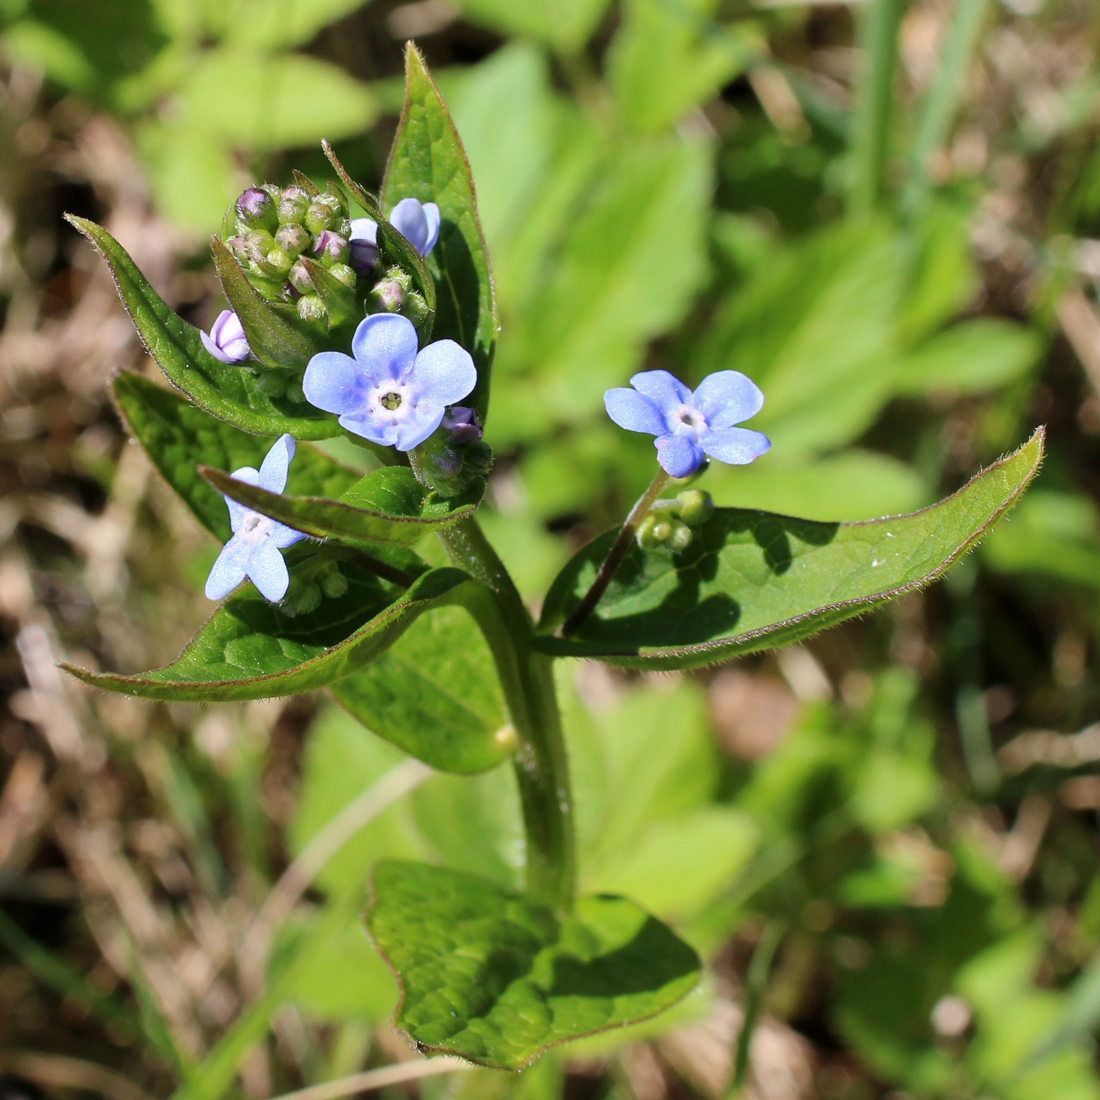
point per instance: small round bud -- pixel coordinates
(695, 506)
(415, 308)
(311, 308)
(275, 262)
(300, 279)
(294, 392)
(447, 462)
(293, 204)
(477, 458)
(256, 210)
(344, 274)
(647, 535)
(388, 296)
(319, 217)
(333, 583)
(293, 238)
(679, 537)
(331, 248)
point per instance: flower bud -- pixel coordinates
(388, 296)
(695, 506)
(294, 391)
(311, 308)
(477, 458)
(679, 538)
(320, 216)
(275, 262)
(256, 210)
(300, 279)
(343, 274)
(363, 240)
(293, 204)
(414, 307)
(331, 247)
(293, 238)
(333, 583)
(463, 425)
(227, 341)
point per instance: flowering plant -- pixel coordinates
(492, 975)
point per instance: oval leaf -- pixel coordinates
(753, 580)
(434, 693)
(225, 390)
(388, 506)
(427, 162)
(488, 976)
(249, 649)
(177, 436)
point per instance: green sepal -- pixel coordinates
(393, 247)
(306, 184)
(249, 649)
(488, 976)
(177, 436)
(388, 506)
(275, 333)
(753, 580)
(427, 162)
(225, 390)
(435, 695)
(339, 299)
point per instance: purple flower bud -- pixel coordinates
(462, 423)
(388, 295)
(256, 210)
(332, 246)
(227, 341)
(292, 238)
(363, 244)
(300, 279)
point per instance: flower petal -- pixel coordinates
(443, 372)
(409, 220)
(364, 229)
(238, 513)
(229, 569)
(384, 346)
(268, 571)
(664, 390)
(213, 348)
(431, 218)
(737, 446)
(417, 424)
(679, 455)
(362, 423)
(630, 410)
(274, 467)
(334, 382)
(727, 397)
(284, 536)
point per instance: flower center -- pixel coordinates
(252, 522)
(391, 401)
(689, 418)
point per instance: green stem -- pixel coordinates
(615, 555)
(756, 983)
(542, 772)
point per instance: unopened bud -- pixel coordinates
(679, 538)
(319, 217)
(294, 391)
(477, 459)
(293, 204)
(311, 308)
(388, 295)
(344, 274)
(256, 210)
(462, 423)
(299, 278)
(331, 247)
(275, 262)
(415, 308)
(333, 582)
(293, 238)
(695, 506)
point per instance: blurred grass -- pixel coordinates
(912, 799)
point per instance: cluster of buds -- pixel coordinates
(309, 586)
(394, 293)
(277, 228)
(671, 523)
(455, 453)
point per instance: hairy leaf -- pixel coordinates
(225, 390)
(178, 436)
(249, 649)
(427, 162)
(754, 580)
(388, 506)
(488, 976)
(435, 695)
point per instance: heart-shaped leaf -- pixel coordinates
(178, 436)
(225, 390)
(488, 976)
(753, 580)
(249, 649)
(435, 694)
(427, 162)
(388, 506)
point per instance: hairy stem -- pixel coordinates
(615, 555)
(542, 772)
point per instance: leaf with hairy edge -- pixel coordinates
(435, 694)
(427, 162)
(177, 436)
(225, 390)
(339, 299)
(753, 580)
(275, 339)
(249, 649)
(393, 247)
(388, 506)
(488, 976)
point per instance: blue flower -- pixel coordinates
(227, 340)
(416, 221)
(388, 393)
(253, 551)
(690, 425)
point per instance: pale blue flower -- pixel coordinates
(389, 393)
(227, 340)
(253, 551)
(418, 222)
(688, 426)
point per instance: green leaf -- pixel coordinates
(274, 338)
(178, 436)
(225, 390)
(428, 163)
(565, 24)
(338, 298)
(435, 695)
(488, 976)
(388, 506)
(249, 649)
(754, 580)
